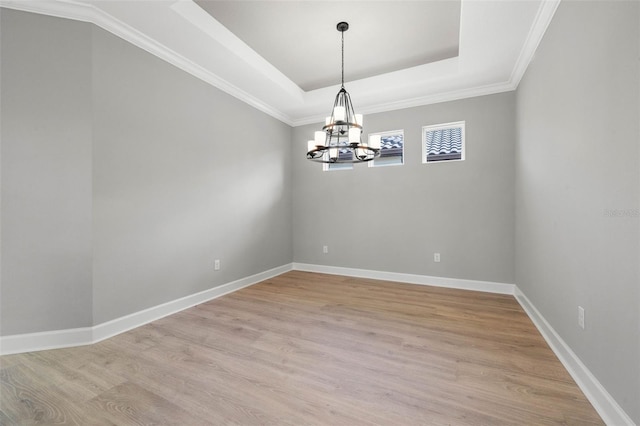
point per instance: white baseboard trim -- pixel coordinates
(58, 339)
(129, 322)
(602, 401)
(45, 340)
(486, 286)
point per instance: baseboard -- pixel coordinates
(58, 339)
(129, 322)
(602, 401)
(486, 286)
(45, 340)
(85, 336)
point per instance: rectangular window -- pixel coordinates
(343, 154)
(443, 142)
(391, 148)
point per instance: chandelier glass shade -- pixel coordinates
(340, 140)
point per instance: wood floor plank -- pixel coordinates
(305, 348)
(27, 399)
(131, 404)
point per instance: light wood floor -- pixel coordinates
(308, 349)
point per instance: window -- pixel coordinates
(343, 154)
(391, 148)
(443, 142)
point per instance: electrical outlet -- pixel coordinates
(581, 317)
(216, 264)
(325, 249)
(436, 257)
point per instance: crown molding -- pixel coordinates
(218, 33)
(277, 86)
(538, 28)
(453, 95)
(84, 12)
(68, 9)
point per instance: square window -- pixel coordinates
(443, 142)
(391, 149)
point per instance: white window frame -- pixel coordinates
(372, 163)
(326, 167)
(443, 126)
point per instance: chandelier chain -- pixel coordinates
(342, 32)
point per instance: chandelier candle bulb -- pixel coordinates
(311, 145)
(319, 137)
(333, 153)
(374, 141)
(327, 120)
(354, 135)
(359, 119)
(338, 113)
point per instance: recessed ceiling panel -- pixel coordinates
(497, 39)
(300, 37)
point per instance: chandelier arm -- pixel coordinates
(369, 154)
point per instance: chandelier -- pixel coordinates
(340, 139)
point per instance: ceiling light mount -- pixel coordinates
(340, 138)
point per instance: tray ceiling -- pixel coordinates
(300, 38)
(283, 57)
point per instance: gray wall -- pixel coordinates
(577, 188)
(394, 218)
(46, 173)
(183, 174)
(123, 178)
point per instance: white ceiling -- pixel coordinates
(301, 40)
(282, 54)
